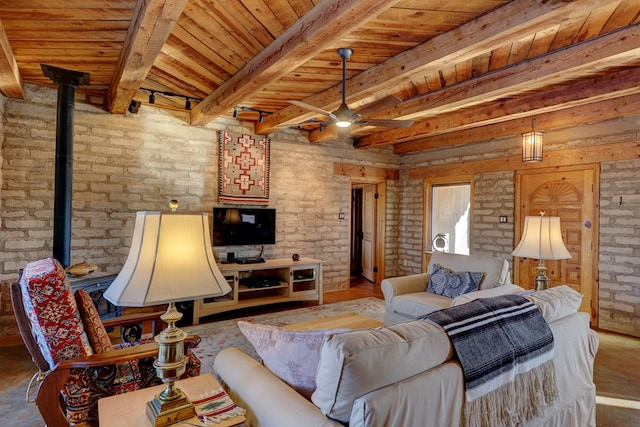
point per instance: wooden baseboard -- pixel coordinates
(11, 341)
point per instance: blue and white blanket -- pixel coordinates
(505, 348)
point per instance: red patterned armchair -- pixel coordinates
(70, 346)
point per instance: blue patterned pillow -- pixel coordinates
(449, 284)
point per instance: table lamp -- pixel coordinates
(541, 240)
(170, 260)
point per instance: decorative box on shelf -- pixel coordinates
(270, 282)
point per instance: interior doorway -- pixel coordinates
(366, 258)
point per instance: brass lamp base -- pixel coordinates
(163, 413)
(541, 281)
(171, 405)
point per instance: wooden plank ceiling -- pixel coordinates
(464, 70)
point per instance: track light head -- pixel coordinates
(187, 104)
(235, 112)
(152, 97)
(134, 106)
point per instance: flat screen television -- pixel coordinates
(244, 226)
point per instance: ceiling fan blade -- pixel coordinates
(311, 108)
(387, 123)
(379, 105)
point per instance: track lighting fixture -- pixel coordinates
(261, 113)
(153, 92)
(134, 106)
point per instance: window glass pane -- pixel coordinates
(450, 218)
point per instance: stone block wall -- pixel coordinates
(411, 216)
(126, 163)
(493, 196)
(620, 247)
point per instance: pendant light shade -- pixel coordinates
(532, 146)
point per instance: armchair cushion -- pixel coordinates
(52, 311)
(95, 330)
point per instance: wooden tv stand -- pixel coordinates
(283, 280)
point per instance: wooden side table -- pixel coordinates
(129, 409)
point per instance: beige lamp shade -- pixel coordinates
(542, 239)
(170, 260)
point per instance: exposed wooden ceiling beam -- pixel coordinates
(512, 21)
(10, 78)
(594, 112)
(326, 22)
(615, 49)
(610, 86)
(150, 27)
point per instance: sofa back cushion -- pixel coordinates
(357, 362)
(496, 270)
(52, 311)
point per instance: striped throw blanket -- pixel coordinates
(505, 348)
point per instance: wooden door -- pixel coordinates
(572, 193)
(369, 231)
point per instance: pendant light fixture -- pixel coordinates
(532, 144)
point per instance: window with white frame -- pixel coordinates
(448, 216)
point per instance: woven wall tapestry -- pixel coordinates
(244, 168)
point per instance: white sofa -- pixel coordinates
(406, 297)
(406, 375)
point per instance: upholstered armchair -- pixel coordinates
(77, 363)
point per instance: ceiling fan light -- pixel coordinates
(343, 123)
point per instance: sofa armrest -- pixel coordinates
(269, 402)
(395, 286)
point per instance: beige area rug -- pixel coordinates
(218, 335)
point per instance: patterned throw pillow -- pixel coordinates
(293, 356)
(98, 337)
(449, 284)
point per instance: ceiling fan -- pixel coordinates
(344, 116)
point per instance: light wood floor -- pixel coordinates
(360, 288)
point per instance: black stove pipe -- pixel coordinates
(67, 82)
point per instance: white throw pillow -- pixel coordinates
(293, 356)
